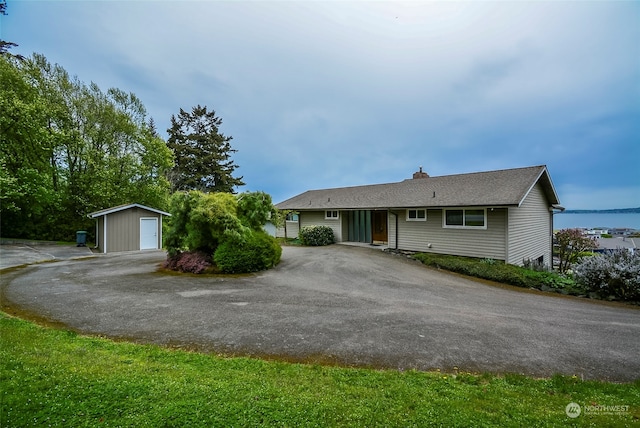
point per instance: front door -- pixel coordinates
(149, 233)
(379, 226)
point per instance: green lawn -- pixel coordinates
(51, 377)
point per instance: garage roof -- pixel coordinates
(125, 207)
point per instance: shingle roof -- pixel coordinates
(506, 187)
(617, 243)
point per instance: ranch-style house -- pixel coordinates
(503, 215)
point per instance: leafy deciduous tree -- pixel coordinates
(279, 219)
(572, 242)
(67, 149)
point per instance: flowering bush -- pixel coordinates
(614, 274)
(316, 235)
(189, 261)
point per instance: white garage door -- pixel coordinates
(149, 233)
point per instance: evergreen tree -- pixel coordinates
(202, 154)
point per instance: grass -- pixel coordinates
(289, 241)
(52, 377)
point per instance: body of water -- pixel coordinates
(569, 221)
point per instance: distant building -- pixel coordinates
(623, 231)
(618, 243)
(597, 232)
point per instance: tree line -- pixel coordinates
(68, 148)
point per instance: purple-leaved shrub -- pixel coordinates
(614, 274)
(189, 261)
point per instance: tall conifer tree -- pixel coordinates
(202, 154)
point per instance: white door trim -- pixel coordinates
(145, 246)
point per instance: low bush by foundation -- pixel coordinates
(499, 271)
(316, 235)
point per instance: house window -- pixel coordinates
(331, 215)
(292, 217)
(466, 218)
(417, 215)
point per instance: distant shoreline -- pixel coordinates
(607, 220)
(612, 211)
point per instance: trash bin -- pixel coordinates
(81, 238)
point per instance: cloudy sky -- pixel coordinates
(331, 94)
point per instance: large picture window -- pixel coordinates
(466, 218)
(417, 215)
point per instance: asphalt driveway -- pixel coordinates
(12, 255)
(336, 304)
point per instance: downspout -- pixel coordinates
(104, 250)
(551, 238)
(97, 234)
(97, 231)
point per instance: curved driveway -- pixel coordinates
(336, 304)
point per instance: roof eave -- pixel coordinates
(108, 211)
(404, 207)
(548, 187)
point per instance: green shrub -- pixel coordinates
(200, 220)
(316, 235)
(253, 252)
(498, 271)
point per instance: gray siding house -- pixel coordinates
(504, 215)
(131, 227)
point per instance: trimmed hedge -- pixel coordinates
(257, 251)
(500, 272)
(316, 235)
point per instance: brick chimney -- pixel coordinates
(420, 174)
